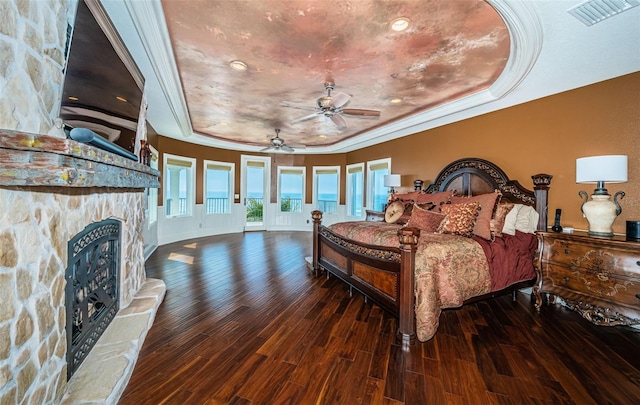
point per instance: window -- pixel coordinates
(152, 203)
(326, 188)
(218, 187)
(355, 189)
(290, 188)
(179, 185)
(376, 191)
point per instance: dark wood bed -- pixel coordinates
(386, 274)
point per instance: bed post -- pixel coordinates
(406, 335)
(317, 218)
(541, 183)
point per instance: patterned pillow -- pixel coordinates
(459, 218)
(425, 220)
(488, 203)
(441, 197)
(412, 196)
(429, 206)
(408, 210)
(497, 222)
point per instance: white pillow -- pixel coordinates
(509, 226)
(527, 219)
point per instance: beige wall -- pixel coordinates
(542, 136)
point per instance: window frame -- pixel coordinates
(349, 189)
(303, 172)
(371, 180)
(190, 180)
(232, 168)
(152, 192)
(314, 198)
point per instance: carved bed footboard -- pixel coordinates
(384, 274)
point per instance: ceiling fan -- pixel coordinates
(277, 144)
(333, 108)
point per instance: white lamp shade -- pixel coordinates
(392, 180)
(608, 168)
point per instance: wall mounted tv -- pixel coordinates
(102, 86)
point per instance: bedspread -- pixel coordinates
(449, 269)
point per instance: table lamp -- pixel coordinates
(600, 212)
(391, 181)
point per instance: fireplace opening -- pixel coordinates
(91, 294)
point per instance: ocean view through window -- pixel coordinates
(326, 183)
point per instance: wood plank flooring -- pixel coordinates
(243, 322)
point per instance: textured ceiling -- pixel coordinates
(291, 48)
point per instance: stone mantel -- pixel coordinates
(42, 160)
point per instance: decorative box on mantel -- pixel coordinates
(42, 160)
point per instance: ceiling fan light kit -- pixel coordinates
(277, 144)
(332, 107)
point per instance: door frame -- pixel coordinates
(266, 160)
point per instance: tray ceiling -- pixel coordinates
(449, 50)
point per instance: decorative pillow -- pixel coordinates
(408, 208)
(425, 220)
(459, 218)
(429, 206)
(497, 222)
(393, 212)
(527, 219)
(510, 220)
(488, 203)
(412, 196)
(441, 197)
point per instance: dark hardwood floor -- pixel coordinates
(243, 322)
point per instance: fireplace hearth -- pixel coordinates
(92, 291)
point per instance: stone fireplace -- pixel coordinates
(37, 220)
(50, 190)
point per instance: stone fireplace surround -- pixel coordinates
(50, 189)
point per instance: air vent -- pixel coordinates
(595, 11)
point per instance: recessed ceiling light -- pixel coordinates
(73, 98)
(238, 65)
(323, 136)
(395, 100)
(400, 24)
(124, 100)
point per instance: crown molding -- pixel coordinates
(149, 20)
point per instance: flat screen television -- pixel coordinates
(102, 87)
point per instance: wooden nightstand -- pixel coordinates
(597, 277)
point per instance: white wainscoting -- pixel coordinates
(150, 236)
(175, 229)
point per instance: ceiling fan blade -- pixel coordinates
(286, 148)
(306, 117)
(358, 111)
(298, 106)
(266, 149)
(339, 121)
(340, 100)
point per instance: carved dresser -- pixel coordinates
(597, 277)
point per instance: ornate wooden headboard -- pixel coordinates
(473, 176)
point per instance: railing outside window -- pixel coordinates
(217, 205)
(327, 206)
(289, 204)
(182, 206)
